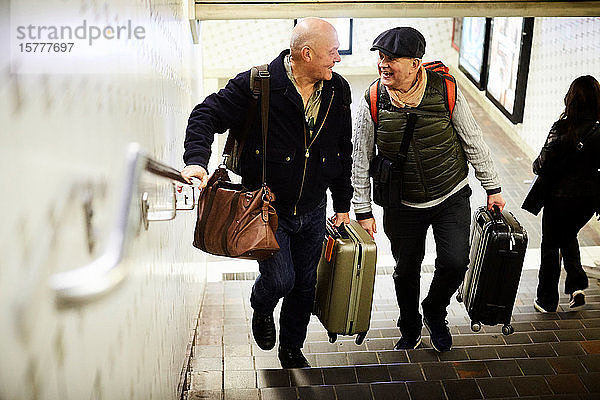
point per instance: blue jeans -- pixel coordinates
(406, 227)
(292, 274)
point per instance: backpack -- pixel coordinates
(259, 76)
(435, 66)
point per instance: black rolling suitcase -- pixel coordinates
(498, 243)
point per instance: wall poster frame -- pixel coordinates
(508, 64)
(474, 49)
(456, 32)
(343, 26)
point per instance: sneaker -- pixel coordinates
(539, 308)
(406, 344)
(292, 357)
(441, 339)
(263, 330)
(577, 300)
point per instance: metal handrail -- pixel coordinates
(158, 168)
(98, 278)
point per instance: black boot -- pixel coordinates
(292, 357)
(263, 330)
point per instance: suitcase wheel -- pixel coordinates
(475, 326)
(332, 337)
(507, 329)
(360, 338)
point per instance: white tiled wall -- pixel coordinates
(62, 133)
(562, 50)
(238, 44)
(437, 33)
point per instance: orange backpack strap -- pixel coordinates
(450, 92)
(450, 82)
(373, 89)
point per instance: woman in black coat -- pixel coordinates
(569, 163)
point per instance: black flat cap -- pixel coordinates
(402, 41)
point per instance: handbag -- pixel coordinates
(534, 201)
(232, 220)
(387, 174)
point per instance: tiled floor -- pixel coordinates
(557, 353)
(553, 355)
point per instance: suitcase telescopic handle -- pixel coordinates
(339, 230)
(496, 213)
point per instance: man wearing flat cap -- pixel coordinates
(429, 184)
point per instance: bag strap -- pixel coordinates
(373, 89)
(263, 75)
(257, 75)
(449, 82)
(408, 134)
(409, 129)
(587, 135)
(373, 95)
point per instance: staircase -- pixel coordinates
(552, 356)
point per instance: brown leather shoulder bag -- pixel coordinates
(233, 221)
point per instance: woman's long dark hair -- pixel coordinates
(582, 101)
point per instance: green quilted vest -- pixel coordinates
(435, 162)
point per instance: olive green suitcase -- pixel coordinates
(345, 279)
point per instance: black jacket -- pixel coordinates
(568, 171)
(299, 169)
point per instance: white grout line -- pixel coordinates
(590, 256)
(216, 269)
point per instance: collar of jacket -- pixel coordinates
(280, 82)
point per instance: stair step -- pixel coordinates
(425, 353)
(317, 333)
(438, 380)
(429, 371)
(534, 337)
(582, 386)
(422, 380)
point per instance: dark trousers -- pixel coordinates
(292, 274)
(406, 227)
(562, 220)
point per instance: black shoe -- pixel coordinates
(292, 357)
(263, 330)
(539, 307)
(577, 300)
(407, 344)
(441, 339)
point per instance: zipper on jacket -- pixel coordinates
(419, 112)
(306, 155)
(307, 150)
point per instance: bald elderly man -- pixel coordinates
(308, 151)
